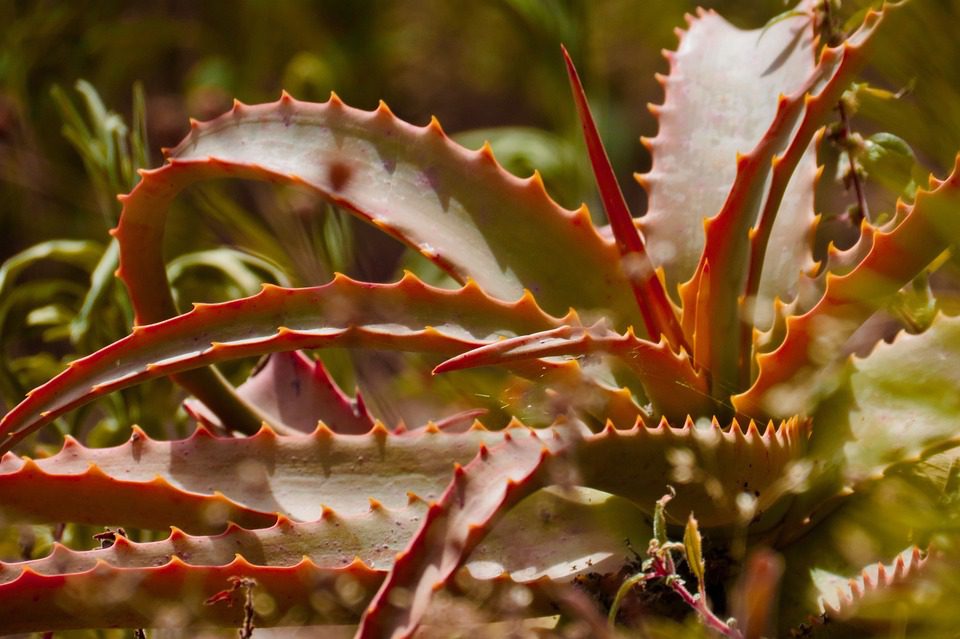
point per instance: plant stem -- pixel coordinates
(699, 604)
(832, 36)
(842, 136)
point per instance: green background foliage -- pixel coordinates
(475, 65)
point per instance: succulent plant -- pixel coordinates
(648, 357)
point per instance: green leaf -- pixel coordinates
(900, 400)
(692, 548)
(624, 589)
(889, 160)
(660, 519)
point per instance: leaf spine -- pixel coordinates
(486, 153)
(435, 127)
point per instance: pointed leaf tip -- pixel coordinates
(658, 315)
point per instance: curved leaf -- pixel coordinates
(818, 107)
(204, 481)
(793, 374)
(614, 461)
(735, 247)
(457, 207)
(675, 388)
(109, 596)
(723, 82)
(297, 391)
(587, 533)
(407, 315)
(899, 400)
(201, 482)
(479, 494)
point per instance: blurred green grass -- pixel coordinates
(479, 64)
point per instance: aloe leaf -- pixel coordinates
(407, 315)
(734, 248)
(670, 381)
(818, 106)
(899, 400)
(297, 476)
(792, 375)
(457, 207)
(482, 491)
(478, 495)
(887, 514)
(204, 481)
(108, 496)
(700, 134)
(844, 598)
(587, 533)
(297, 391)
(108, 596)
(299, 595)
(659, 316)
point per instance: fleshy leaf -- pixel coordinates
(297, 476)
(842, 598)
(498, 477)
(728, 292)
(206, 480)
(108, 596)
(659, 316)
(296, 391)
(720, 98)
(792, 375)
(837, 67)
(407, 315)
(899, 400)
(670, 381)
(587, 533)
(459, 208)
(479, 493)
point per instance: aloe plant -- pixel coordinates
(653, 357)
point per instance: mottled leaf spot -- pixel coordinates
(338, 175)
